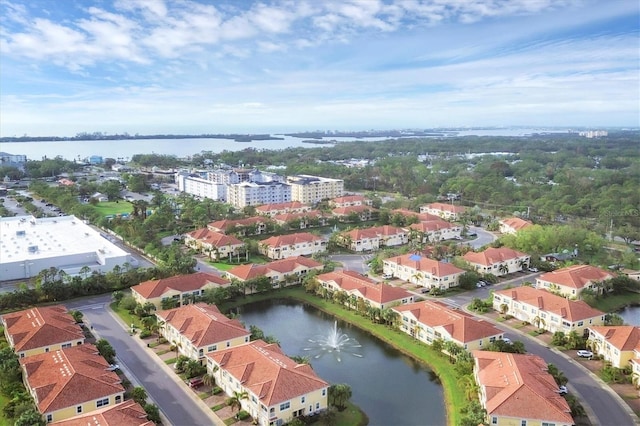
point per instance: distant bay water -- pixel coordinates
(125, 149)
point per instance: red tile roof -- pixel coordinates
(346, 211)
(576, 276)
(290, 239)
(290, 264)
(519, 386)
(216, 239)
(223, 225)
(349, 199)
(374, 232)
(421, 263)
(203, 324)
(622, 337)
(182, 283)
(431, 225)
(421, 216)
(291, 205)
(446, 207)
(288, 217)
(351, 282)
(42, 326)
(571, 310)
(69, 377)
(516, 223)
(461, 326)
(268, 373)
(128, 413)
(492, 256)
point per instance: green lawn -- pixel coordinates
(3, 401)
(106, 208)
(615, 302)
(126, 316)
(453, 391)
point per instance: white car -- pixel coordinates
(113, 367)
(533, 270)
(506, 340)
(387, 276)
(562, 390)
(584, 353)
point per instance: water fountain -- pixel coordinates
(335, 342)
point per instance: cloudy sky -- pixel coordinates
(222, 66)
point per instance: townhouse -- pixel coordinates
(498, 261)
(255, 225)
(423, 271)
(214, 244)
(287, 271)
(517, 390)
(420, 217)
(71, 381)
(350, 201)
(435, 230)
(356, 286)
(445, 211)
(278, 388)
(180, 289)
(572, 280)
(128, 413)
(431, 320)
(272, 210)
(546, 310)
(199, 329)
(617, 344)
(513, 224)
(298, 244)
(363, 213)
(304, 220)
(370, 239)
(41, 329)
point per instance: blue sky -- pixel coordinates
(180, 66)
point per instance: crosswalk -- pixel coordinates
(450, 302)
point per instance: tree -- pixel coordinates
(235, 401)
(557, 375)
(139, 395)
(339, 395)
(106, 350)
(30, 417)
(153, 413)
(77, 316)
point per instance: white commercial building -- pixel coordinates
(245, 194)
(29, 245)
(313, 189)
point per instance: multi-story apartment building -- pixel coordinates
(445, 211)
(313, 189)
(182, 289)
(280, 272)
(513, 224)
(572, 280)
(618, 345)
(421, 270)
(245, 194)
(299, 244)
(498, 261)
(201, 187)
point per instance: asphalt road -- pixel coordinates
(144, 368)
(483, 238)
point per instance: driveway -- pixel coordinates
(142, 366)
(483, 238)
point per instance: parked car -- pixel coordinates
(562, 390)
(506, 340)
(387, 276)
(584, 353)
(195, 382)
(533, 270)
(113, 367)
(424, 290)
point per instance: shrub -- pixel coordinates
(216, 390)
(242, 415)
(145, 333)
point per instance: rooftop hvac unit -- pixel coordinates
(21, 233)
(32, 249)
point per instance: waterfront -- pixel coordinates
(631, 315)
(125, 149)
(391, 388)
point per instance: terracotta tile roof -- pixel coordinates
(492, 256)
(267, 372)
(223, 225)
(216, 239)
(576, 276)
(290, 264)
(446, 207)
(349, 199)
(290, 239)
(203, 324)
(571, 310)
(127, 413)
(424, 264)
(374, 232)
(622, 337)
(431, 225)
(519, 386)
(516, 223)
(461, 326)
(42, 326)
(346, 211)
(421, 216)
(182, 283)
(286, 217)
(69, 377)
(352, 282)
(291, 205)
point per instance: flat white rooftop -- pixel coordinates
(59, 242)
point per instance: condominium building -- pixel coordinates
(201, 187)
(313, 189)
(245, 194)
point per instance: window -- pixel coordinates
(324, 392)
(548, 424)
(302, 400)
(46, 349)
(212, 348)
(79, 409)
(22, 355)
(49, 418)
(494, 420)
(228, 344)
(66, 345)
(285, 406)
(102, 402)
(580, 323)
(118, 399)
(523, 423)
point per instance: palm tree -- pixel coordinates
(235, 401)
(209, 380)
(504, 308)
(503, 269)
